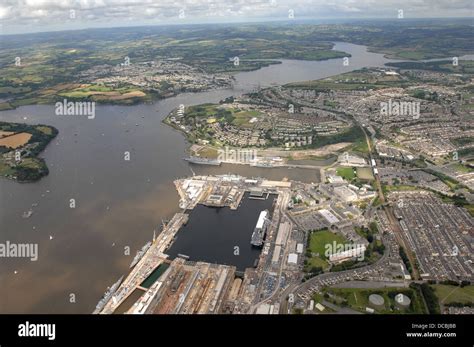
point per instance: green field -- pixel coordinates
(45, 129)
(454, 294)
(242, 118)
(319, 240)
(346, 172)
(358, 299)
(413, 55)
(360, 174)
(104, 93)
(317, 247)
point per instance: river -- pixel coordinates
(118, 203)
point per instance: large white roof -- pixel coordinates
(292, 258)
(261, 219)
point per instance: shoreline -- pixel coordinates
(41, 139)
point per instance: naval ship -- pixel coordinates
(203, 161)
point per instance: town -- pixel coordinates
(389, 222)
(316, 239)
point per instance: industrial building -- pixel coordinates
(355, 252)
(330, 217)
(293, 258)
(345, 194)
(346, 159)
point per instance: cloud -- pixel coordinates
(114, 12)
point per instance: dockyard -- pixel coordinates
(158, 284)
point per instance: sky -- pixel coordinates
(18, 16)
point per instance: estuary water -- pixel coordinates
(118, 203)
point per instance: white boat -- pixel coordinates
(27, 214)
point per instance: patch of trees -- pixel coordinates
(425, 95)
(312, 271)
(405, 259)
(350, 264)
(429, 295)
(42, 139)
(28, 174)
(373, 245)
(354, 134)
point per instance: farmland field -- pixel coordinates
(15, 141)
(5, 133)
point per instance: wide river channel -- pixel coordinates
(118, 203)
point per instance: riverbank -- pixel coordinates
(20, 145)
(118, 202)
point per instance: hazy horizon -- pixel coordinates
(35, 16)
(316, 21)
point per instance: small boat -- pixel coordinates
(27, 214)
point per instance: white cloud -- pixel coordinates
(114, 12)
(4, 12)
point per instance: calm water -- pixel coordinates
(118, 203)
(213, 233)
